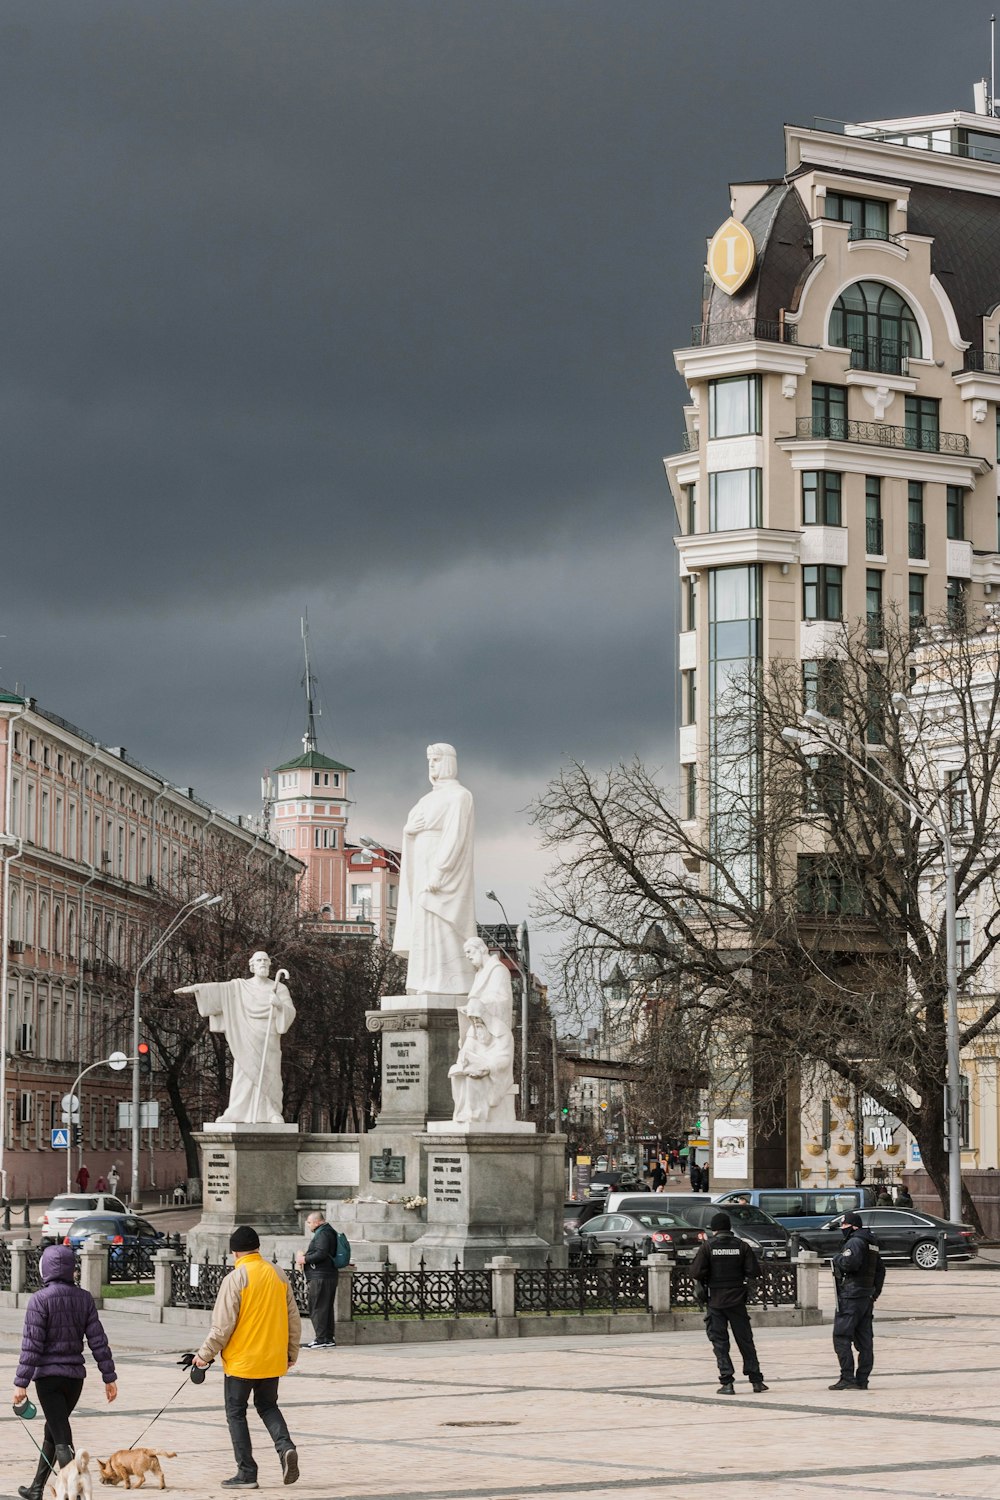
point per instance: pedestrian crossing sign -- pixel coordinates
(60, 1140)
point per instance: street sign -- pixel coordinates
(70, 1104)
(60, 1140)
(117, 1060)
(604, 1104)
(610, 1135)
(149, 1114)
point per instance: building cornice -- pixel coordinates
(722, 549)
(872, 458)
(884, 159)
(754, 356)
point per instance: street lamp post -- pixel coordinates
(824, 730)
(199, 903)
(492, 896)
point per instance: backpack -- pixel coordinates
(343, 1255)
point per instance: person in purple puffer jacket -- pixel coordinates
(58, 1318)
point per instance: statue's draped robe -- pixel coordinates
(478, 1100)
(243, 1009)
(432, 927)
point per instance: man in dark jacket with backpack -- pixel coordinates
(859, 1274)
(320, 1265)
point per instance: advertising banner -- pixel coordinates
(729, 1149)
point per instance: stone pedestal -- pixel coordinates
(491, 1193)
(419, 1044)
(250, 1175)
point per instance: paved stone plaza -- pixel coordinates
(628, 1415)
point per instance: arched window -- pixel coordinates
(15, 915)
(71, 932)
(29, 921)
(43, 925)
(57, 929)
(874, 322)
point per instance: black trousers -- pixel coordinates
(57, 1396)
(718, 1321)
(852, 1329)
(322, 1292)
(265, 1398)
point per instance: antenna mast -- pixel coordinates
(992, 108)
(309, 738)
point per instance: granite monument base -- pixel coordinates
(490, 1193)
(250, 1176)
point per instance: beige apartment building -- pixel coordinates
(839, 458)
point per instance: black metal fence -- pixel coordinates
(421, 1293)
(5, 1266)
(195, 1283)
(590, 1286)
(775, 1287)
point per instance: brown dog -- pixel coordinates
(133, 1463)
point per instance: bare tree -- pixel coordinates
(810, 927)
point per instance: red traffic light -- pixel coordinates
(145, 1058)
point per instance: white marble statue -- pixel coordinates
(482, 1076)
(254, 1014)
(437, 901)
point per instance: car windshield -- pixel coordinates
(745, 1213)
(65, 1205)
(658, 1221)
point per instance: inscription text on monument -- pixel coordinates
(218, 1179)
(447, 1179)
(402, 1065)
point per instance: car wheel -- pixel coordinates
(926, 1255)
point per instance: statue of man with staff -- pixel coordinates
(254, 1014)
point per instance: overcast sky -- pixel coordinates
(368, 308)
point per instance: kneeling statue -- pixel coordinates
(482, 1077)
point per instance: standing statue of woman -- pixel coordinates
(437, 899)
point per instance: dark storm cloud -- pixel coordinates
(370, 306)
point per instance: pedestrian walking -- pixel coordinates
(58, 1318)
(83, 1177)
(113, 1181)
(658, 1177)
(859, 1276)
(903, 1199)
(319, 1261)
(256, 1328)
(722, 1268)
(100, 1186)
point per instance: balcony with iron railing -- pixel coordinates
(689, 441)
(881, 435)
(873, 536)
(916, 540)
(987, 361)
(741, 331)
(866, 232)
(883, 356)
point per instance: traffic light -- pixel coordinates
(76, 1135)
(145, 1060)
(565, 1111)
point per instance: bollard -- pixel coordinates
(27, 1214)
(6, 1213)
(794, 1245)
(942, 1240)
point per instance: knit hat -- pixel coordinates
(721, 1221)
(853, 1220)
(244, 1239)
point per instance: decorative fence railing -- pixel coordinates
(195, 1283)
(776, 1287)
(421, 1293)
(32, 1271)
(131, 1262)
(5, 1266)
(587, 1287)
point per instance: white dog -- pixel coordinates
(72, 1481)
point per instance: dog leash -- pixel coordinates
(159, 1414)
(36, 1446)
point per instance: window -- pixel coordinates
(361, 894)
(874, 539)
(956, 513)
(336, 778)
(734, 499)
(45, 819)
(325, 838)
(873, 607)
(963, 944)
(823, 686)
(823, 890)
(829, 411)
(688, 697)
(823, 790)
(691, 508)
(868, 218)
(877, 326)
(316, 778)
(822, 592)
(922, 423)
(955, 598)
(690, 773)
(734, 406)
(875, 728)
(821, 499)
(918, 608)
(689, 603)
(916, 532)
(15, 805)
(956, 789)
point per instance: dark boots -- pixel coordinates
(64, 1455)
(36, 1488)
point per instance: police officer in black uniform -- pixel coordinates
(859, 1274)
(722, 1268)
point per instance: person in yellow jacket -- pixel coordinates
(257, 1329)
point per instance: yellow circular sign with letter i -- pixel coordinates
(732, 256)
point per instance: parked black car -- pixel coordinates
(577, 1211)
(648, 1232)
(901, 1234)
(765, 1235)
